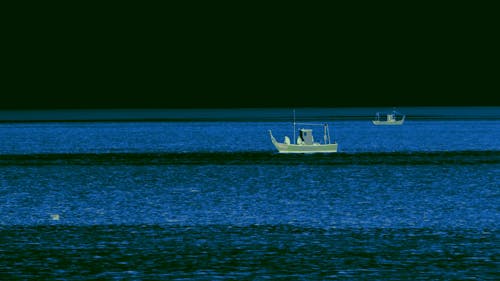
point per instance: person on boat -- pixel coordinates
(300, 139)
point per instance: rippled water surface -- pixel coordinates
(207, 200)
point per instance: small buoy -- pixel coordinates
(54, 217)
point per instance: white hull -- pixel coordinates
(391, 119)
(377, 122)
(304, 148)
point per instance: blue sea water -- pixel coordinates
(211, 199)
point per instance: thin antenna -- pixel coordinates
(325, 129)
(328, 131)
(294, 139)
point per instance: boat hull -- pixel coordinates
(315, 148)
(377, 122)
(303, 148)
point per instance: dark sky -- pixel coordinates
(249, 56)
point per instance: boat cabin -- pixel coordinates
(391, 117)
(305, 137)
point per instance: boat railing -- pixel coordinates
(326, 133)
(311, 124)
(394, 115)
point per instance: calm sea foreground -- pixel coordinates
(139, 195)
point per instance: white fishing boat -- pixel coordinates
(305, 142)
(392, 118)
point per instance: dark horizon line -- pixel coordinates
(243, 119)
(244, 114)
(3, 107)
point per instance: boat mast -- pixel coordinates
(294, 138)
(325, 129)
(328, 132)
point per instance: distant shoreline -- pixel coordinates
(244, 114)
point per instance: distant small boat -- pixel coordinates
(392, 118)
(305, 141)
